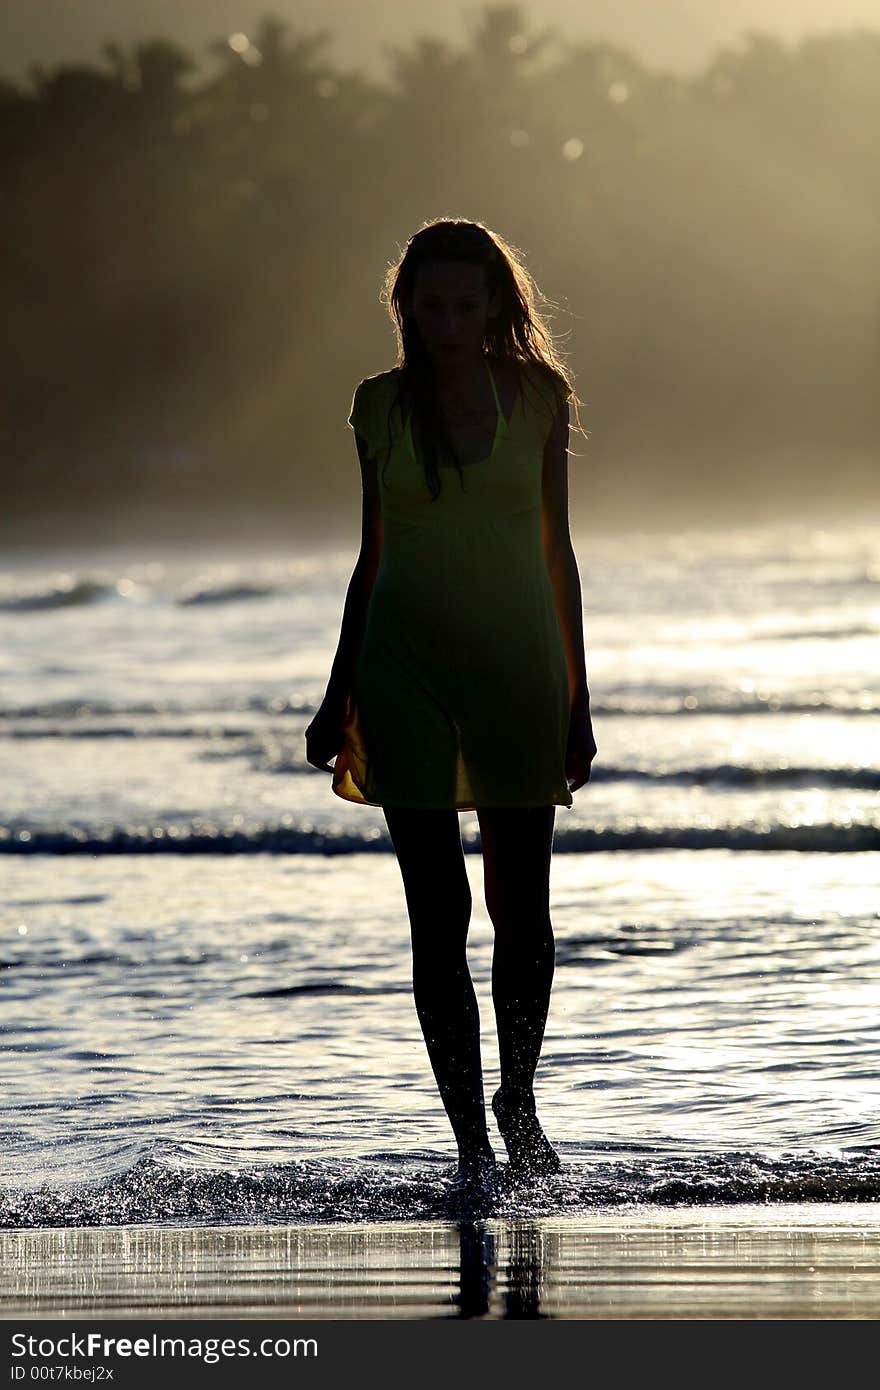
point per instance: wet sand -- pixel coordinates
(739, 1262)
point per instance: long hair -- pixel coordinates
(517, 333)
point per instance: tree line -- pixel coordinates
(193, 263)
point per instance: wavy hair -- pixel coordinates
(517, 333)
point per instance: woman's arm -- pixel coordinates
(325, 735)
(563, 570)
(561, 560)
(360, 586)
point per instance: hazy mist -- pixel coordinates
(678, 34)
(194, 262)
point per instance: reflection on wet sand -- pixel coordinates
(786, 1261)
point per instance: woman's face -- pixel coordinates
(451, 307)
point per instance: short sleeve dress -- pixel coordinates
(460, 696)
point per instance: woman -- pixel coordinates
(460, 682)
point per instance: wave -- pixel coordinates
(683, 702)
(84, 708)
(733, 775)
(224, 593)
(821, 634)
(209, 838)
(403, 1189)
(654, 704)
(70, 590)
(74, 594)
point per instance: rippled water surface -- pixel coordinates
(206, 997)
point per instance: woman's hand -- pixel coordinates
(325, 736)
(581, 750)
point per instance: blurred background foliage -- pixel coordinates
(192, 266)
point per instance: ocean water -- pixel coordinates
(206, 1004)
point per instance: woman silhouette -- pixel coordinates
(459, 682)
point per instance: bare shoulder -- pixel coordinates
(544, 377)
(380, 380)
(547, 390)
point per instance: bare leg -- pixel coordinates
(517, 843)
(438, 899)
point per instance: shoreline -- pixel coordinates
(786, 1261)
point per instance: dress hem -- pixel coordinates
(433, 805)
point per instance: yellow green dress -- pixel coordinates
(460, 695)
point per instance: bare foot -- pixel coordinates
(530, 1152)
(476, 1175)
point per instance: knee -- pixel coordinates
(524, 939)
(433, 906)
(519, 914)
(439, 971)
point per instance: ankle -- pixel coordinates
(470, 1156)
(521, 1098)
